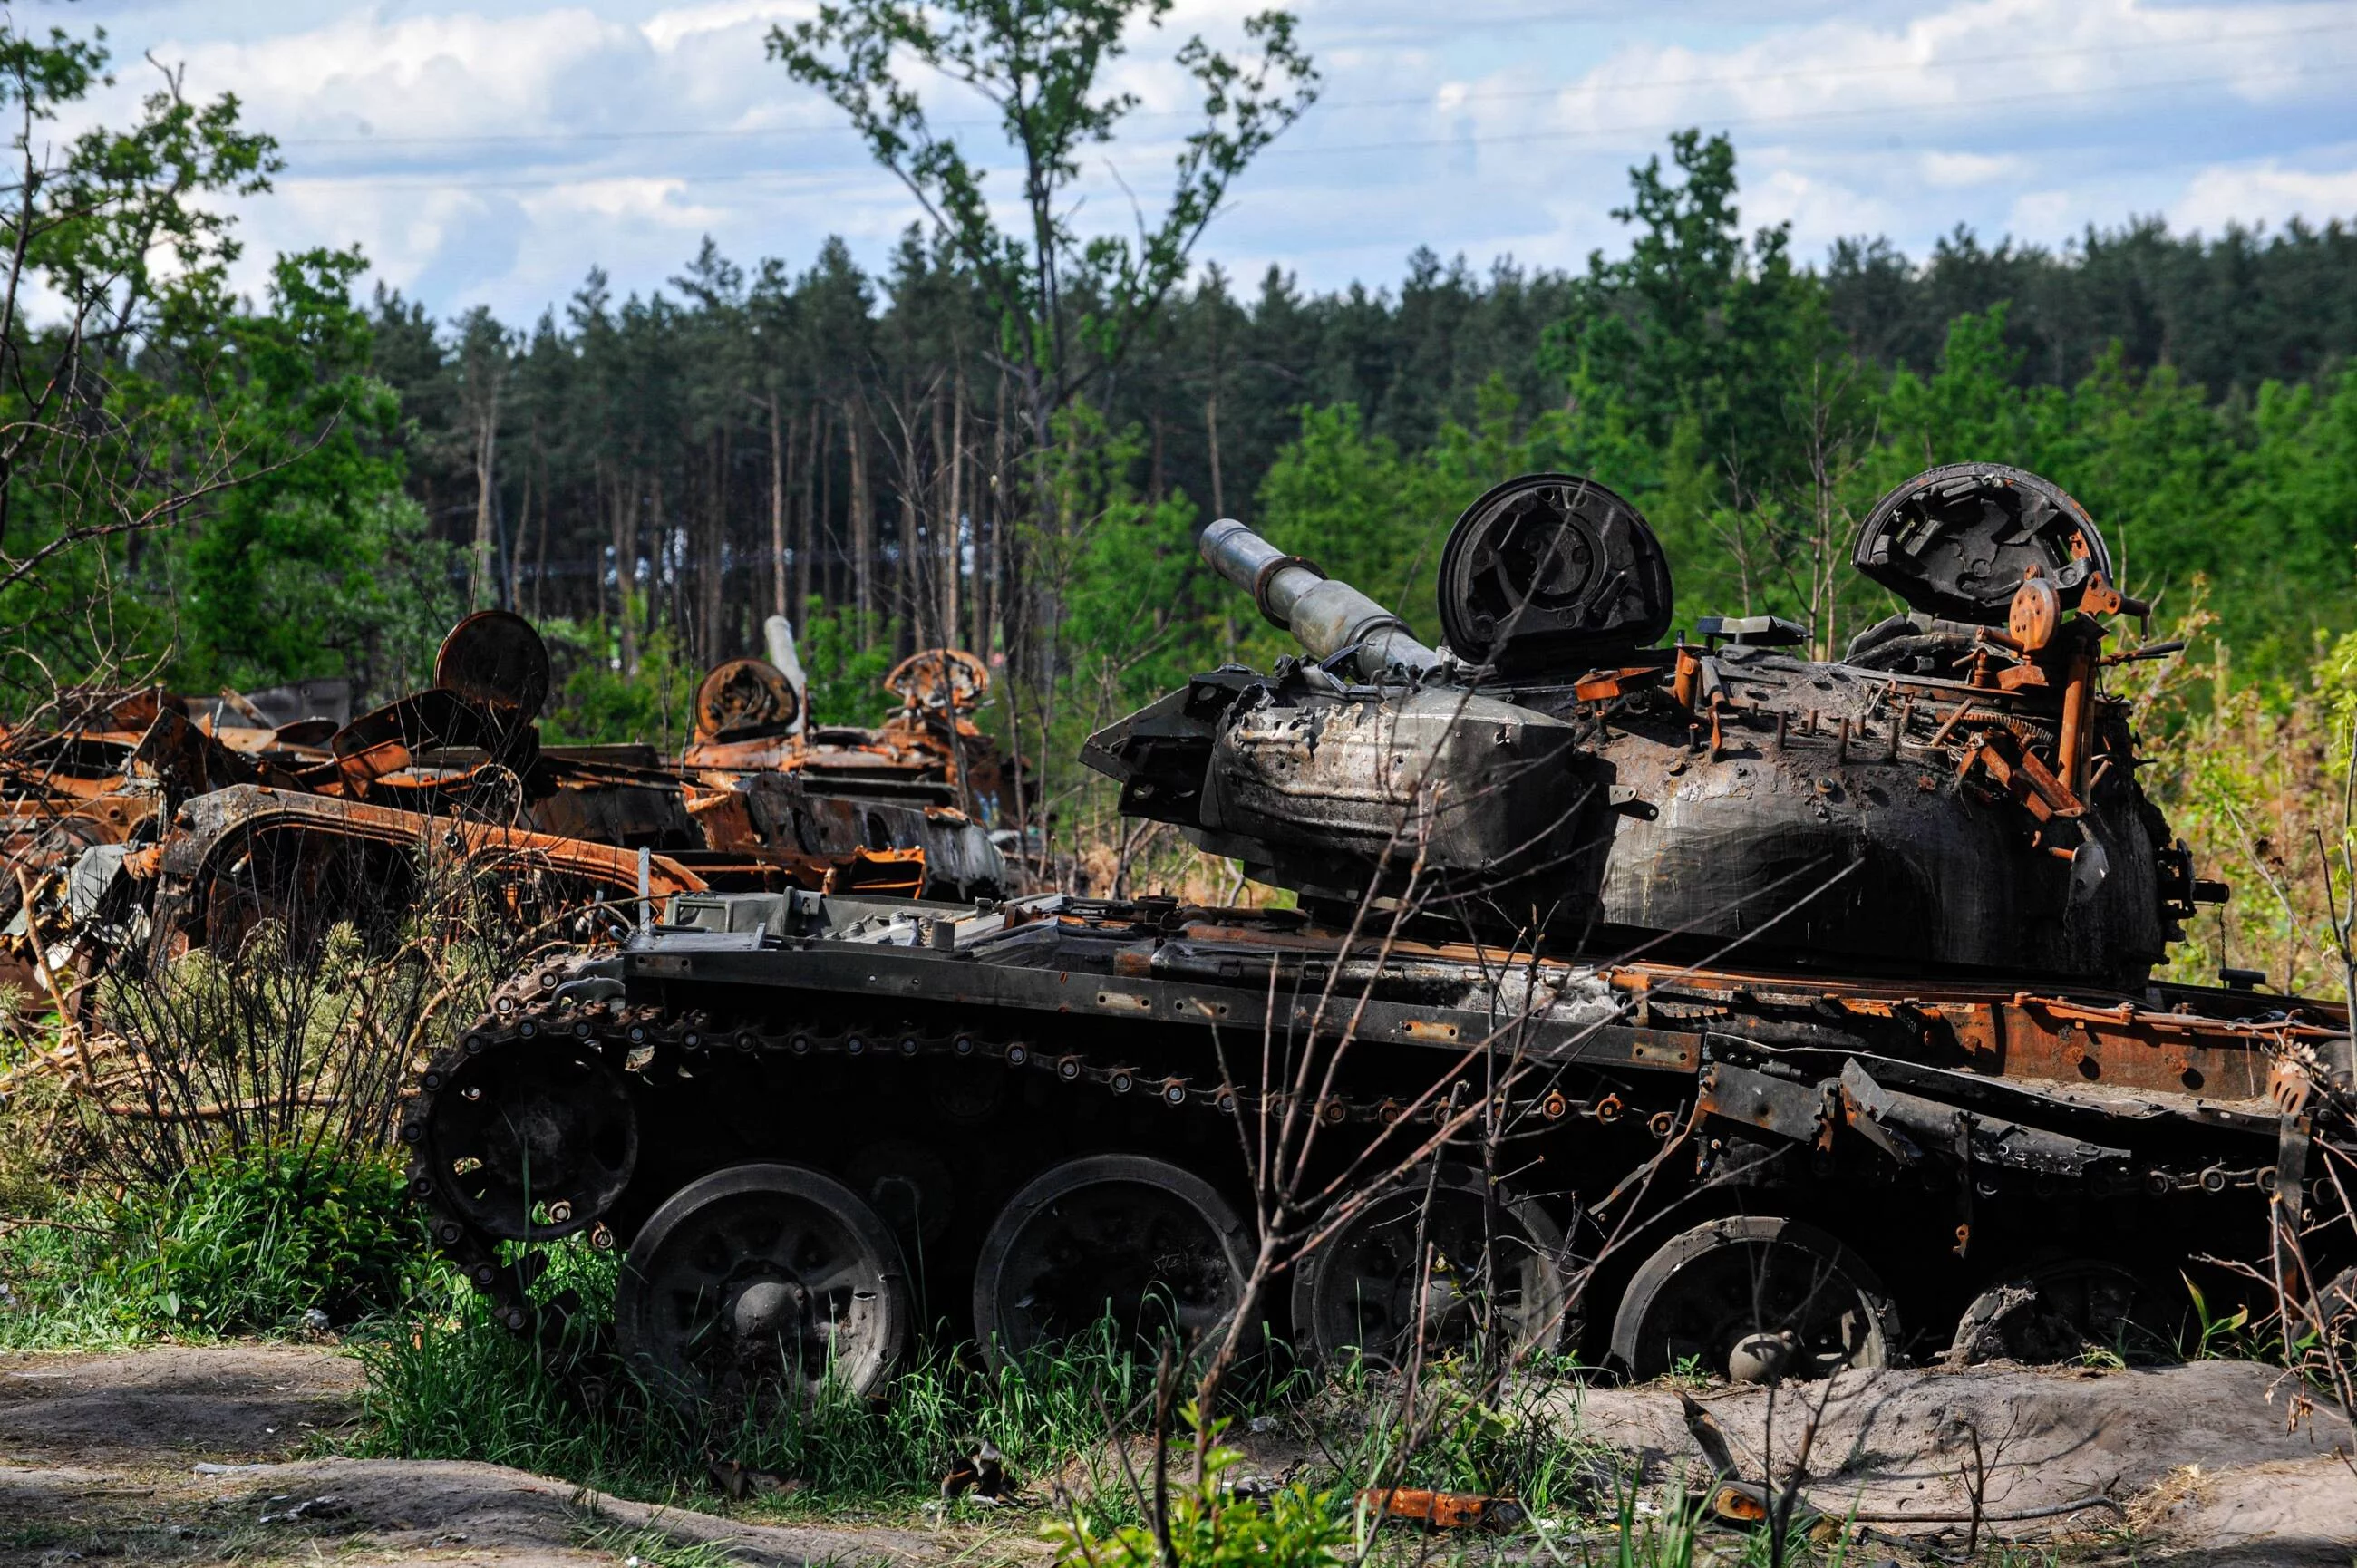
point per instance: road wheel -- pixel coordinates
(1754, 1298)
(1448, 1264)
(2061, 1310)
(1151, 1246)
(531, 1146)
(757, 1282)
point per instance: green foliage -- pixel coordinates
(650, 1545)
(246, 1244)
(1203, 1526)
(236, 468)
(1375, 516)
(1068, 305)
(1518, 1440)
(454, 1383)
(1705, 384)
(1123, 569)
(250, 1243)
(600, 700)
(2256, 776)
(310, 548)
(1696, 325)
(845, 669)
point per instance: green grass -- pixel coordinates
(451, 1383)
(648, 1546)
(244, 1245)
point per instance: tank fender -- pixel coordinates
(1908, 1128)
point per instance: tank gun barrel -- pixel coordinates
(1325, 616)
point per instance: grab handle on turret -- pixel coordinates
(1325, 616)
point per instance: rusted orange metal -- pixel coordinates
(1441, 1511)
(460, 763)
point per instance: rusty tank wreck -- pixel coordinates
(138, 825)
(1685, 1003)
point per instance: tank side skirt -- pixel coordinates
(925, 978)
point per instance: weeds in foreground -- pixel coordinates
(648, 1546)
(1522, 1440)
(245, 1244)
(1206, 1525)
(453, 1383)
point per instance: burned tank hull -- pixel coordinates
(1934, 1149)
(1708, 1006)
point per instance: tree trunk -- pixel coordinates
(487, 436)
(805, 494)
(515, 543)
(1211, 429)
(951, 524)
(662, 586)
(540, 565)
(830, 579)
(863, 553)
(626, 569)
(712, 581)
(1000, 567)
(776, 506)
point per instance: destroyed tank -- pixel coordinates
(1697, 1005)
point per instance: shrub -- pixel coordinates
(1209, 1527)
(252, 1242)
(243, 1244)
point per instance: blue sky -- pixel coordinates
(493, 152)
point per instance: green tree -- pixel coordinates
(1069, 305)
(311, 559)
(1705, 371)
(119, 235)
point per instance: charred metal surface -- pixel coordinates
(227, 820)
(1732, 964)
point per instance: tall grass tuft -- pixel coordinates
(453, 1383)
(246, 1244)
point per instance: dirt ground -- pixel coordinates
(185, 1454)
(178, 1455)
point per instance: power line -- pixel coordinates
(1596, 132)
(1492, 95)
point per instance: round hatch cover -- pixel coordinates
(497, 659)
(1956, 542)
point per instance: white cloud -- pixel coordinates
(667, 29)
(497, 152)
(1820, 209)
(1950, 170)
(2043, 216)
(2267, 193)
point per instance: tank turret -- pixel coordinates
(1956, 792)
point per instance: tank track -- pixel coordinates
(537, 1011)
(555, 1006)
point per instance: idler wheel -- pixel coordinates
(1363, 1291)
(531, 1146)
(757, 1282)
(1758, 1299)
(1153, 1247)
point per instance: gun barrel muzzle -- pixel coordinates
(1327, 617)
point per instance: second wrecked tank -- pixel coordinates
(1956, 795)
(1705, 1004)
